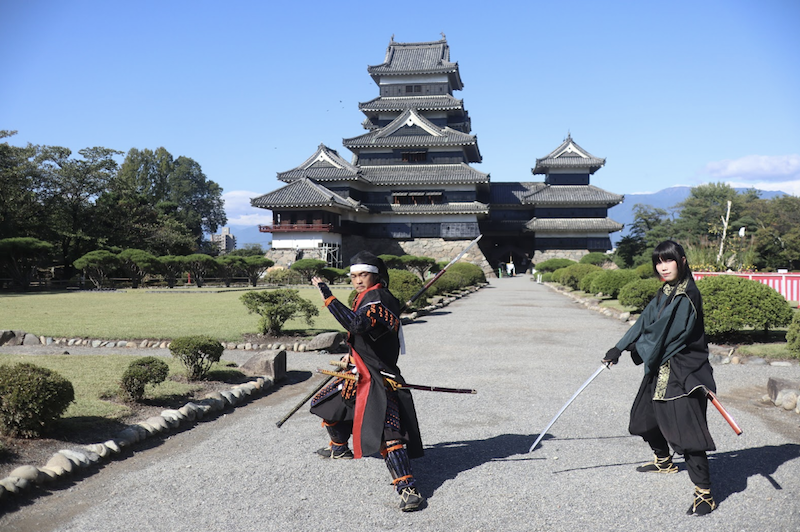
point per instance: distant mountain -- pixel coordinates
(246, 234)
(663, 199)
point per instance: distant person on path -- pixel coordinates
(381, 419)
(670, 407)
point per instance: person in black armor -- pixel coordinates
(670, 407)
(380, 417)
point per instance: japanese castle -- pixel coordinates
(410, 189)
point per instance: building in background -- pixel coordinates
(225, 240)
(410, 189)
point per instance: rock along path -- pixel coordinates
(526, 349)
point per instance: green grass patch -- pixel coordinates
(95, 379)
(777, 351)
(136, 314)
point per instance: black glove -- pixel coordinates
(612, 356)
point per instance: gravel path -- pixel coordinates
(526, 349)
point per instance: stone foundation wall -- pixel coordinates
(572, 254)
(436, 248)
(285, 257)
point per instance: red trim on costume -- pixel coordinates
(364, 384)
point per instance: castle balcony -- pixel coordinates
(298, 228)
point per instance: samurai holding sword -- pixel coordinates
(670, 407)
(379, 418)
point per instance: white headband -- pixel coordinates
(356, 268)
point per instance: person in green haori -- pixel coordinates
(670, 407)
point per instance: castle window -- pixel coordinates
(414, 156)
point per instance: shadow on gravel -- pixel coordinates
(730, 471)
(444, 461)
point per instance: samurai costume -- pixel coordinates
(670, 407)
(380, 418)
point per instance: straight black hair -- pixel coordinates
(670, 250)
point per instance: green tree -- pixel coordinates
(308, 268)
(276, 307)
(19, 258)
(137, 264)
(249, 250)
(20, 212)
(420, 266)
(69, 187)
(198, 266)
(255, 266)
(228, 267)
(97, 265)
(171, 267)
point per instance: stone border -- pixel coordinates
(67, 462)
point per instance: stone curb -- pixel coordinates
(68, 462)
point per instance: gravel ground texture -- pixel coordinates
(526, 348)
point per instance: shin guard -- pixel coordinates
(396, 458)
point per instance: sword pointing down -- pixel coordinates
(552, 421)
(725, 414)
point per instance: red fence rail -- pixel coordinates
(786, 284)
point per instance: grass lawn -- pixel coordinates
(137, 314)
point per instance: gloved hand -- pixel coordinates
(612, 356)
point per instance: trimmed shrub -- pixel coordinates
(140, 373)
(551, 265)
(645, 271)
(31, 399)
(572, 275)
(276, 307)
(197, 354)
(334, 275)
(609, 282)
(586, 283)
(638, 293)
(733, 303)
(392, 262)
(283, 277)
(308, 268)
(596, 258)
(403, 285)
(793, 336)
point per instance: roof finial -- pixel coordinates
(392, 39)
(443, 35)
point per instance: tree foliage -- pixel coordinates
(98, 265)
(19, 258)
(276, 307)
(197, 353)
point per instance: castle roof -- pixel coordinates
(566, 225)
(417, 58)
(461, 207)
(304, 193)
(325, 165)
(443, 102)
(412, 130)
(571, 195)
(423, 174)
(568, 156)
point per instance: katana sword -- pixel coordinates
(396, 385)
(440, 273)
(576, 394)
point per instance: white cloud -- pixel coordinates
(240, 212)
(757, 168)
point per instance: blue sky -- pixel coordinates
(670, 93)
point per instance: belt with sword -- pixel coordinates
(391, 382)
